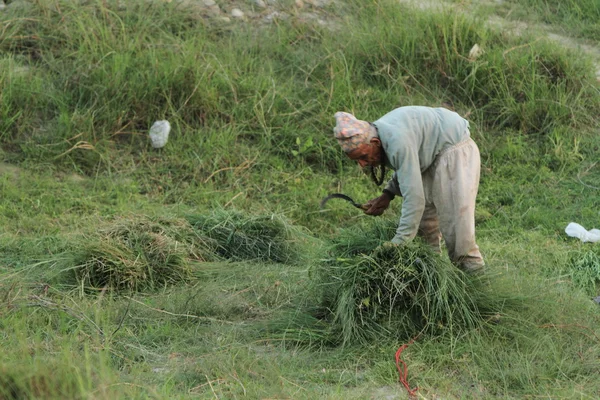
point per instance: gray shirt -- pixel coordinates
(412, 137)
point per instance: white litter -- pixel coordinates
(577, 231)
(159, 133)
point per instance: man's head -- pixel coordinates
(368, 154)
(358, 139)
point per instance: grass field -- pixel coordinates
(206, 269)
(579, 18)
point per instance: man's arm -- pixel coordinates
(410, 183)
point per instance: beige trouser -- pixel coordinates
(451, 184)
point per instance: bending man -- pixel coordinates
(436, 170)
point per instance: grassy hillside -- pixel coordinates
(579, 18)
(206, 269)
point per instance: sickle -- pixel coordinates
(341, 196)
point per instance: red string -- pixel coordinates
(404, 371)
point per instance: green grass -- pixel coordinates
(585, 270)
(370, 291)
(206, 269)
(580, 18)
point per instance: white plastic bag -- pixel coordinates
(579, 232)
(159, 133)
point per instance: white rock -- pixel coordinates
(475, 52)
(159, 133)
(260, 3)
(237, 13)
(275, 15)
(209, 3)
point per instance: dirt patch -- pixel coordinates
(8, 169)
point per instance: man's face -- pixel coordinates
(368, 154)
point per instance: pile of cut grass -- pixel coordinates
(138, 254)
(373, 290)
(584, 268)
(239, 236)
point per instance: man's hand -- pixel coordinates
(397, 240)
(377, 205)
(387, 248)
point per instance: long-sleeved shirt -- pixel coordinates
(412, 137)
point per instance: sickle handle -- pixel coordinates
(343, 197)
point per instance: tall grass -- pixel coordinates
(520, 84)
(101, 75)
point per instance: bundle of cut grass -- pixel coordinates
(139, 254)
(373, 289)
(584, 267)
(245, 237)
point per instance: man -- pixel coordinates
(436, 170)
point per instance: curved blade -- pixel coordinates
(340, 196)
